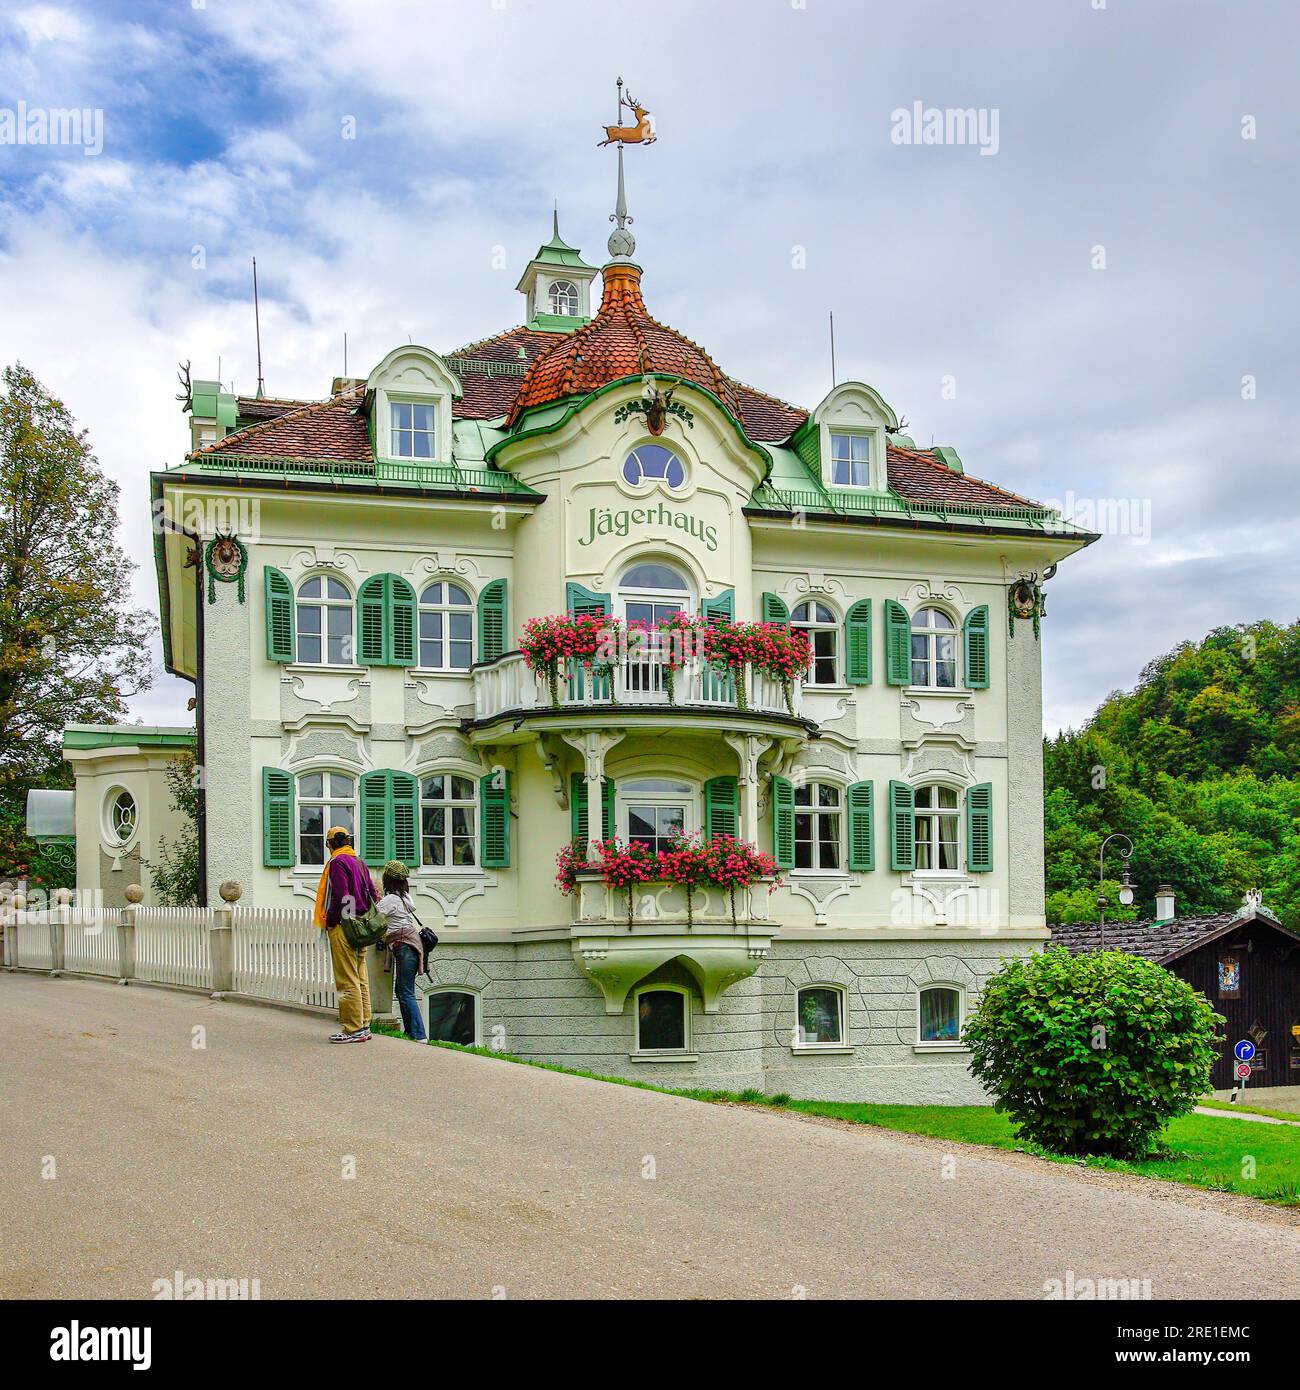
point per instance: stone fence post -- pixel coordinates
(126, 935)
(221, 939)
(60, 912)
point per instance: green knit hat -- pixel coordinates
(396, 869)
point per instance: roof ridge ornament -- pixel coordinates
(621, 242)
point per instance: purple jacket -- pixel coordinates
(350, 891)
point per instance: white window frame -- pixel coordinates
(853, 407)
(683, 1053)
(433, 431)
(839, 431)
(646, 484)
(934, 812)
(625, 797)
(801, 1044)
(840, 810)
(446, 609)
(447, 804)
(324, 603)
(835, 626)
(456, 989)
(932, 634)
(115, 843)
(569, 290)
(940, 1046)
(299, 801)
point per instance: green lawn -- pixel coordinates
(1225, 1155)
(1256, 1160)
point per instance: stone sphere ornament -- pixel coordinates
(230, 891)
(134, 893)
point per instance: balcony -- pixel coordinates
(506, 688)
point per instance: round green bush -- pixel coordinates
(1092, 1054)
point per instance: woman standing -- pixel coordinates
(403, 940)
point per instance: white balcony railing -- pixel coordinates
(508, 686)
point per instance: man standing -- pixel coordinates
(346, 890)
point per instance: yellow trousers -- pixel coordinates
(350, 982)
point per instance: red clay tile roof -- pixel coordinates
(330, 429)
(766, 418)
(488, 394)
(920, 476)
(261, 408)
(622, 340)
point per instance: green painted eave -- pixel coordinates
(554, 415)
(558, 323)
(76, 736)
(382, 475)
(556, 252)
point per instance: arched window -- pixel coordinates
(663, 1020)
(818, 826)
(939, 1010)
(453, 1017)
(648, 461)
(324, 619)
(325, 799)
(934, 649)
(819, 1017)
(938, 828)
(564, 297)
(446, 627)
(653, 811)
(818, 621)
(448, 812)
(648, 593)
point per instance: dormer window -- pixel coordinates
(564, 298)
(412, 430)
(850, 460)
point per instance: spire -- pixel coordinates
(621, 242)
(555, 220)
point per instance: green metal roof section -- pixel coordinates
(557, 251)
(127, 736)
(557, 323)
(450, 478)
(209, 402)
(546, 419)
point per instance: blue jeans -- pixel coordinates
(406, 964)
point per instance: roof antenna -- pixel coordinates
(832, 349)
(345, 354)
(257, 320)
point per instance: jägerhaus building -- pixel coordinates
(367, 672)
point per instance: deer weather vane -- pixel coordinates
(642, 133)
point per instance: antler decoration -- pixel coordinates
(187, 397)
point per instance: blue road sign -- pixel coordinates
(1244, 1050)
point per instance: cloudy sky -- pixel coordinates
(1110, 291)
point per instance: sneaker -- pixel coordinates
(362, 1036)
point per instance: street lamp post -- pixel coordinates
(1125, 885)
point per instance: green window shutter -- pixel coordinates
(898, 644)
(492, 620)
(862, 843)
(578, 807)
(857, 643)
(401, 635)
(783, 822)
(721, 807)
(376, 801)
(279, 615)
(494, 823)
(774, 609)
(722, 608)
(975, 638)
(372, 606)
(902, 826)
(979, 828)
(277, 818)
(581, 601)
(406, 818)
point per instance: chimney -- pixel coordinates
(1165, 905)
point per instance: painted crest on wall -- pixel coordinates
(226, 560)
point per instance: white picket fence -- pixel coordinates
(90, 944)
(171, 946)
(274, 953)
(282, 954)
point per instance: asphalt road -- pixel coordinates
(477, 1178)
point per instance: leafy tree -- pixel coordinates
(71, 650)
(175, 877)
(1092, 1054)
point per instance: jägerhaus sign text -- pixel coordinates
(603, 521)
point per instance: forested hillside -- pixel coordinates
(1200, 765)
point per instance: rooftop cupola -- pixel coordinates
(557, 285)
